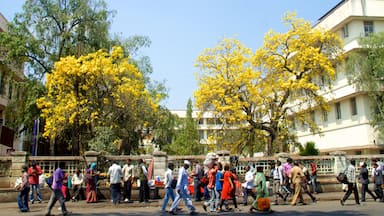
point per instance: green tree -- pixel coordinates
(48, 30)
(365, 70)
(186, 140)
(309, 149)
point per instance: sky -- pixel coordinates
(180, 30)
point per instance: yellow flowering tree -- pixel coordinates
(96, 90)
(263, 91)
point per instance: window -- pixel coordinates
(325, 116)
(338, 111)
(201, 121)
(345, 31)
(201, 134)
(2, 83)
(368, 28)
(10, 90)
(353, 106)
(313, 116)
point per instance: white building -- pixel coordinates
(346, 127)
(207, 124)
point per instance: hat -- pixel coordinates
(187, 162)
(361, 163)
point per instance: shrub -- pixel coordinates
(309, 149)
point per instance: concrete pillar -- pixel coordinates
(160, 160)
(19, 159)
(341, 162)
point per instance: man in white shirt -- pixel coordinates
(248, 185)
(115, 174)
(182, 190)
(169, 190)
(128, 177)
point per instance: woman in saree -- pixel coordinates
(90, 191)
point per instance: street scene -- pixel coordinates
(219, 107)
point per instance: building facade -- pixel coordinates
(10, 75)
(346, 126)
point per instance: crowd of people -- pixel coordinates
(212, 183)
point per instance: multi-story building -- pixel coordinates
(208, 125)
(9, 75)
(346, 126)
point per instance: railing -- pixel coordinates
(48, 164)
(326, 165)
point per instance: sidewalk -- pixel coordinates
(82, 208)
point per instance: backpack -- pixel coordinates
(342, 177)
(49, 181)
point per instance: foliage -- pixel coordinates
(262, 90)
(47, 30)
(365, 70)
(309, 149)
(99, 89)
(104, 141)
(186, 141)
(164, 127)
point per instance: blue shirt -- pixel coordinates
(219, 184)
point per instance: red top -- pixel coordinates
(34, 173)
(227, 191)
(313, 169)
(211, 178)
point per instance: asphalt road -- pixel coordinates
(329, 208)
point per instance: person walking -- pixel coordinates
(77, 185)
(128, 178)
(34, 173)
(23, 188)
(287, 166)
(248, 185)
(377, 175)
(262, 192)
(352, 186)
(228, 188)
(57, 193)
(197, 174)
(304, 182)
(364, 180)
(143, 177)
(277, 176)
(296, 175)
(211, 188)
(218, 184)
(314, 177)
(169, 190)
(182, 190)
(115, 175)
